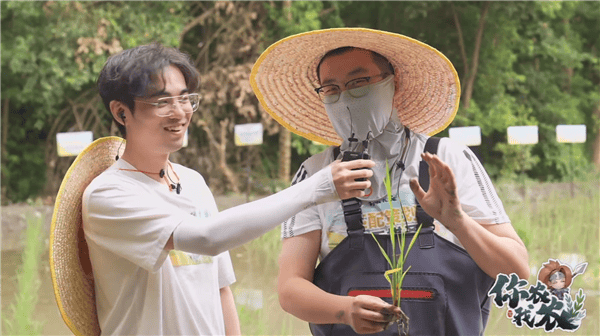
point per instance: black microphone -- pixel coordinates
(177, 188)
(118, 149)
(161, 173)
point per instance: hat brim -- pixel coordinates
(70, 266)
(284, 78)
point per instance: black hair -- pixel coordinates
(129, 74)
(382, 62)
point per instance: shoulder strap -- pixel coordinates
(353, 216)
(431, 146)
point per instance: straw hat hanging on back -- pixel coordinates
(285, 76)
(70, 264)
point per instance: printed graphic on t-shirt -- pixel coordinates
(376, 217)
(180, 258)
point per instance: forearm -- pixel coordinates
(493, 254)
(307, 302)
(230, 316)
(238, 225)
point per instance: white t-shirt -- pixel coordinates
(140, 288)
(475, 191)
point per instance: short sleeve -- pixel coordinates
(303, 222)
(117, 220)
(226, 273)
(476, 192)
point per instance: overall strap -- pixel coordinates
(353, 216)
(336, 152)
(431, 146)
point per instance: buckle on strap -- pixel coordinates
(353, 214)
(423, 217)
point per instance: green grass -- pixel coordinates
(19, 320)
(555, 225)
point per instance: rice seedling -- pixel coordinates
(555, 224)
(20, 317)
(395, 276)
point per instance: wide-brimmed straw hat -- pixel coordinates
(70, 264)
(285, 75)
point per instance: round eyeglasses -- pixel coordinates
(357, 88)
(165, 106)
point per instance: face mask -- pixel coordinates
(363, 115)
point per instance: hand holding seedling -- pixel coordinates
(441, 200)
(345, 175)
(369, 314)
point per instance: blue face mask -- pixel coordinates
(366, 116)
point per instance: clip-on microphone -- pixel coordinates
(350, 155)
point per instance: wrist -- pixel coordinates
(324, 189)
(456, 221)
(343, 316)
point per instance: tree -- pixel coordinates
(52, 53)
(531, 63)
(521, 63)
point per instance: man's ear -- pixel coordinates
(119, 111)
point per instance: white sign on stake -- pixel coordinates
(468, 136)
(73, 143)
(570, 133)
(248, 134)
(522, 135)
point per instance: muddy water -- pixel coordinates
(46, 310)
(256, 298)
(254, 290)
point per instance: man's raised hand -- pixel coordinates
(441, 200)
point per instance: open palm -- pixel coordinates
(441, 200)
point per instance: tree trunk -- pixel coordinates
(468, 89)
(229, 174)
(285, 136)
(596, 145)
(221, 149)
(5, 108)
(461, 44)
(285, 153)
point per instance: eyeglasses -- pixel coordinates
(357, 88)
(188, 102)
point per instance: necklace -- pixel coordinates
(172, 185)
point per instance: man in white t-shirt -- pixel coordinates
(157, 244)
(381, 94)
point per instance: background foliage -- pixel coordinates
(520, 63)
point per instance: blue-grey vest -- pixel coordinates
(444, 293)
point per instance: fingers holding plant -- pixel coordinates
(369, 314)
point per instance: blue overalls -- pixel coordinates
(444, 293)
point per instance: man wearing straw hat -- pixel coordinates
(158, 261)
(381, 95)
